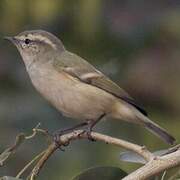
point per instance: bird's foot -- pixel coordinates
(57, 140)
(91, 124)
(57, 137)
(57, 134)
(88, 132)
(90, 138)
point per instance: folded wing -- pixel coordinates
(85, 72)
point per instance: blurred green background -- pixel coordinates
(136, 43)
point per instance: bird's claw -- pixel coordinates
(57, 140)
(90, 136)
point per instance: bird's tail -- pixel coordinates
(130, 114)
(160, 132)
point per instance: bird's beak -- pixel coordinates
(12, 39)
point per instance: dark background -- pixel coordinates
(136, 43)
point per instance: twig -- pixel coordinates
(20, 138)
(163, 176)
(79, 134)
(141, 150)
(42, 161)
(34, 132)
(155, 166)
(29, 164)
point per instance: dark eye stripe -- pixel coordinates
(27, 41)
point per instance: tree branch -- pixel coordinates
(80, 134)
(155, 166)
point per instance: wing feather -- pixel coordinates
(81, 69)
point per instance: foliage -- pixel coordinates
(105, 173)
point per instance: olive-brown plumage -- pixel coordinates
(75, 87)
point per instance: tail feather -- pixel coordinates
(131, 114)
(162, 133)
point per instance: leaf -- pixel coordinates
(132, 157)
(9, 178)
(129, 156)
(101, 173)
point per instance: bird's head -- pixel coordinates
(36, 45)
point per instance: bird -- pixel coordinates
(75, 87)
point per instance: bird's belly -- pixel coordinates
(72, 97)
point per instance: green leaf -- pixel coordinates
(101, 173)
(9, 178)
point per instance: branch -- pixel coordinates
(155, 166)
(80, 134)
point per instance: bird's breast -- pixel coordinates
(72, 97)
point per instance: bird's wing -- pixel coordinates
(85, 72)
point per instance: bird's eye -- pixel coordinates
(27, 41)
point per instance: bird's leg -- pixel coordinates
(58, 133)
(63, 131)
(91, 124)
